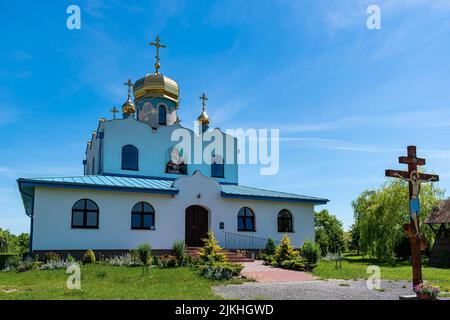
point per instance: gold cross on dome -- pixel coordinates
(114, 111)
(129, 84)
(158, 45)
(204, 98)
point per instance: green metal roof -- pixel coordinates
(105, 182)
(159, 186)
(237, 191)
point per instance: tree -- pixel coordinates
(354, 238)
(211, 251)
(329, 233)
(380, 215)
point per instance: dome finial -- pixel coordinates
(203, 119)
(158, 45)
(128, 108)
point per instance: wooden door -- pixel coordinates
(196, 226)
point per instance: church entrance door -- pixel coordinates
(196, 226)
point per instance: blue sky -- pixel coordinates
(347, 100)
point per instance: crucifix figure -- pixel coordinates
(204, 98)
(414, 179)
(114, 111)
(158, 45)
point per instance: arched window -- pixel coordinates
(246, 219)
(130, 158)
(162, 115)
(285, 221)
(85, 214)
(217, 167)
(143, 216)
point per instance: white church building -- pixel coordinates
(139, 187)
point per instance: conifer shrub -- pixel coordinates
(285, 251)
(210, 253)
(144, 252)
(310, 252)
(89, 257)
(270, 247)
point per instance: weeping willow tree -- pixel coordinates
(380, 215)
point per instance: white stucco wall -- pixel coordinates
(52, 220)
(153, 149)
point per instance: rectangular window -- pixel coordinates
(135, 221)
(91, 219)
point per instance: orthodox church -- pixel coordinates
(138, 187)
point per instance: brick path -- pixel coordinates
(262, 273)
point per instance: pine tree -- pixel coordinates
(285, 251)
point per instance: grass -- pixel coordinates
(108, 282)
(355, 267)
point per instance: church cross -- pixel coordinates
(158, 45)
(129, 84)
(414, 179)
(203, 98)
(114, 111)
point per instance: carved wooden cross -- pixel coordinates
(414, 187)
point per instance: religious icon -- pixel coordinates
(176, 164)
(414, 202)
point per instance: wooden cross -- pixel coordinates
(204, 98)
(414, 179)
(114, 111)
(158, 45)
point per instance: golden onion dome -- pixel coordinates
(203, 118)
(156, 86)
(128, 107)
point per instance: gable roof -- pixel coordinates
(440, 214)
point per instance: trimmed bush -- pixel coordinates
(311, 252)
(89, 257)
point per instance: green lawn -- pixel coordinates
(354, 267)
(108, 282)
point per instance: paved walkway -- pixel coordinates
(261, 273)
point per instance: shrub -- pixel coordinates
(179, 249)
(127, 260)
(311, 252)
(51, 256)
(220, 270)
(285, 251)
(144, 252)
(167, 261)
(296, 264)
(89, 257)
(210, 253)
(270, 247)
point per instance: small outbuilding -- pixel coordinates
(439, 222)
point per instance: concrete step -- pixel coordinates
(232, 256)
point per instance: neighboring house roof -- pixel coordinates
(242, 192)
(147, 185)
(440, 214)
